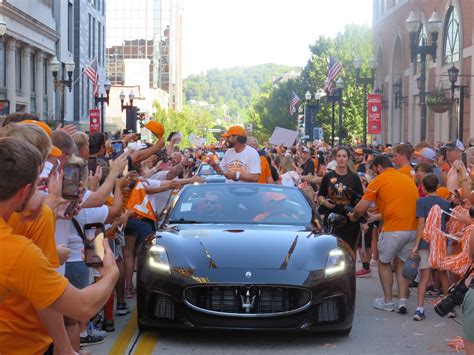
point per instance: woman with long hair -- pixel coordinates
(340, 189)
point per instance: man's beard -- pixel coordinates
(230, 144)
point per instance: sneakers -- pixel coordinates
(402, 306)
(122, 309)
(363, 273)
(379, 303)
(374, 262)
(91, 340)
(94, 331)
(419, 315)
(108, 325)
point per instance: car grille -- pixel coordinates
(248, 300)
(330, 310)
(164, 306)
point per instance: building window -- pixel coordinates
(93, 38)
(18, 73)
(90, 35)
(33, 104)
(45, 77)
(451, 41)
(3, 67)
(70, 26)
(33, 73)
(99, 42)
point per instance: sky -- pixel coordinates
(226, 33)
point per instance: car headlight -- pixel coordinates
(158, 259)
(336, 263)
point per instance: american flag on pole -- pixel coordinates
(295, 100)
(333, 69)
(91, 73)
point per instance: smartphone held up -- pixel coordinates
(94, 251)
(71, 181)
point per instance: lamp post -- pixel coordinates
(333, 97)
(398, 92)
(414, 27)
(310, 111)
(101, 99)
(131, 117)
(365, 81)
(55, 66)
(453, 73)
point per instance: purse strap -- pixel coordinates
(79, 230)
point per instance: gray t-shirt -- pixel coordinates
(423, 207)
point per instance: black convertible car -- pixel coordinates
(245, 256)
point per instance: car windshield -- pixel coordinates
(241, 203)
(206, 170)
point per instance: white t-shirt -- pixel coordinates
(160, 199)
(85, 216)
(247, 161)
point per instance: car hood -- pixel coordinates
(258, 247)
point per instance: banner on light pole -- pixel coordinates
(94, 120)
(374, 114)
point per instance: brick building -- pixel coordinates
(396, 74)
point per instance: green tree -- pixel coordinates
(270, 107)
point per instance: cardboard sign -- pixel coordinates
(283, 136)
(94, 120)
(374, 114)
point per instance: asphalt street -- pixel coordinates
(373, 332)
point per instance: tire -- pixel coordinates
(142, 327)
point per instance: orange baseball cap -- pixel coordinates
(156, 128)
(443, 192)
(56, 152)
(358, 151)
(235, 131)
(40, 124)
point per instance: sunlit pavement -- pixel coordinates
(373, 332)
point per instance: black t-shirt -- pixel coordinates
(308, 167)
(341, 190)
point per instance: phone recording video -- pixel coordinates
(71, 181)
(92, 164)
(117, 149)
(94, 244)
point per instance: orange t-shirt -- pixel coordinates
(25, 274)
(266, 172)
(406, 170)
(395, 196)
(40, 231)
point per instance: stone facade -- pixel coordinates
(401, 119)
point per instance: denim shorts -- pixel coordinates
(77, 273)
(141, 228)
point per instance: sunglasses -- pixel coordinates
(212, 202)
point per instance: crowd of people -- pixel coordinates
(402, 203)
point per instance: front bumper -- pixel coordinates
(160, 301)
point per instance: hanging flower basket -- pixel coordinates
(437, 101)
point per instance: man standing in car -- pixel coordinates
(240, 162)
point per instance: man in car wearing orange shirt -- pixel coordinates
(24, 270)
(395, 196)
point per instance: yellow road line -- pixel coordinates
(146, 343)
(123, 340)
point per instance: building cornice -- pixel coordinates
(14, 13)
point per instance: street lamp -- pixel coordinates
(339, 86)
(131, 112)
(55, 66)
(414, 27)
(101, 99)
(453, 73)
(310, 111)
(366, 80)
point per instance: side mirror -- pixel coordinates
(336, 220)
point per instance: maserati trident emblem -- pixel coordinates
(248, 274)
(247, 302)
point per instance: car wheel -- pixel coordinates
(344, 331)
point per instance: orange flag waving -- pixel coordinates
(139, 202)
